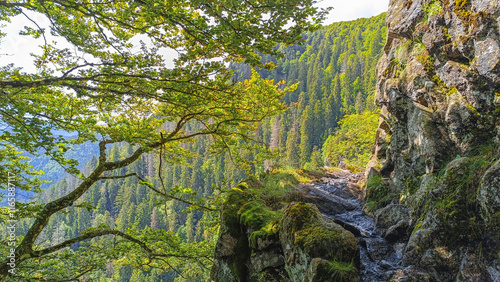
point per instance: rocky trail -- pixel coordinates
(339, 198)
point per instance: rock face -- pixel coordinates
(438, 140)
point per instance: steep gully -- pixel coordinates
(339, 199)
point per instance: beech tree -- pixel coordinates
(113, 85)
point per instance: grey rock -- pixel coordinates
(471, 269)
(489, 192)
(266, 259)
(391, 215)
(419, 242)
(487, 60)
(397, 231)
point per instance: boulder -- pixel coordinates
(305, 235)
(391, 215)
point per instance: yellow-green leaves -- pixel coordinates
(353, 141)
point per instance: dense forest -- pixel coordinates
(335, 69)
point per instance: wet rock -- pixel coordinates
(489, 193)
(326, 202)
(377, 248)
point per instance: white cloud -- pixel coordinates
(353, 9)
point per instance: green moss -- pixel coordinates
(431, 9)
(462, 10)
(256, 204)
(234, 200)
(354, 168)
(315, 235)
(378, 193)
(336, 271)
(401, 56)
(302, 214)
(455, 205)
(266, 233)
(255, 214)
(417, 227)
(452, 91)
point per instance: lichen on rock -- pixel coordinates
(440, 110)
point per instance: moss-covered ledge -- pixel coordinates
(255, 218)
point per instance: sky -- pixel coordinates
(347, 10)
(16, 49)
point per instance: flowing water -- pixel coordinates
(379, 258)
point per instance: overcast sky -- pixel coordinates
(346, 10)
(15, 49)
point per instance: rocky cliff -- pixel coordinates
(437, 147)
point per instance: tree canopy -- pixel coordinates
(113, 85)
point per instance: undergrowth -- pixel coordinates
(378, 193)
(452, 198)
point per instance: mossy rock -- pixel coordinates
(249, 232)
(232, 251)
(305, 234)
(264, 238)
(235, 198)
(255, 214)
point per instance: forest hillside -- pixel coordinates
(335, 72)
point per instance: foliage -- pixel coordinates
(339, 270)
(353, 141)
(377, 193)
(431, 9)
(114, 86)
(336, 71)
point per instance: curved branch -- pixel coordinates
(89, 235)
